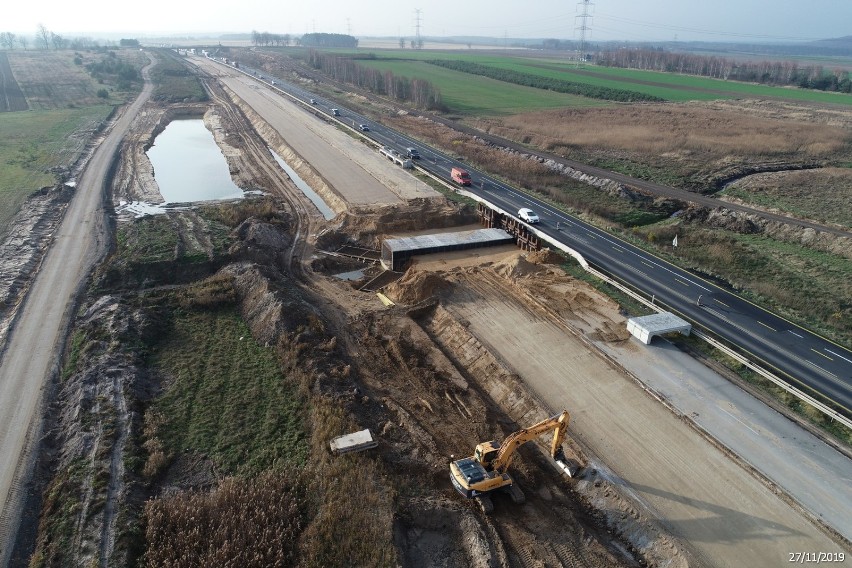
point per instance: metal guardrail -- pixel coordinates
(831, 413)
(801, 395)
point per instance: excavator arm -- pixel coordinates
(557, 423)
(486, 471)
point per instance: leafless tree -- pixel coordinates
(8, 39)
(24, 42)
(43, 36)
(57, 41)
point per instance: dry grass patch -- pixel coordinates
(51, 79)
(244, 522)
(691, 144)
(823, 194)
(679, 129)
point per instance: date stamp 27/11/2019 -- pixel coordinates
(815, 557)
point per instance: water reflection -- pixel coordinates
(189, 166)
(323, 207)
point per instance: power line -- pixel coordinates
(418, 42)
(584, 17)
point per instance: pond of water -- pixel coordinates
(352, 275)
(189, 166)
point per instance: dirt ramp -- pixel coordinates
(369, 226)
(438, 533)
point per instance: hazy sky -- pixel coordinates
(710, 20)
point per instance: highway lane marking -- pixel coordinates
(814, 365)
(669, 270)
(766, 326)
(679, 281)
(721, 302)
(760, 339)
(740, 421)
(724, 318)
(647, 264)
(822, 354)
(569, 221)
(836, 354)
(796, 334)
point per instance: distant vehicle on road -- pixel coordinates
(363, 128)
(528, 216)
(412, 153)
(335, 112)
(460, 176)
(313, 101)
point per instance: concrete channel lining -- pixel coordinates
(646, 327)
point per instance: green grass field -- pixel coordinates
(473, 95)
(32, 143)
(227, 397)
(410, 63)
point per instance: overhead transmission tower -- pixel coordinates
(584, 18)
(418, 43)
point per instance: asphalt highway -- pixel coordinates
(804, 359)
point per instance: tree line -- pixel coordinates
(45, 39)
(418, 92)
(329, 40)
(548, 83)
(780, 73)
(267, 39)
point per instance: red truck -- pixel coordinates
(460, 176)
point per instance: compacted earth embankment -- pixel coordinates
(205, 375)
(193, 419)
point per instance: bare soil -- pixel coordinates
(418, 374)
(422, 405)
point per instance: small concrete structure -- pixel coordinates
(646, 327)
(354, 442)
(397, 252)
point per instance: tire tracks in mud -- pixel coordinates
(31, 360)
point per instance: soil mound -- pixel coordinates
(519, 266)
(416, 287)
(369, 226)
(544, 256)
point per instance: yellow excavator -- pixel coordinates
(485, 471)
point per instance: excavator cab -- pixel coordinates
(486, 470)
(486, 453)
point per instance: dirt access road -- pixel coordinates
(670, 471)
(35, 343)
